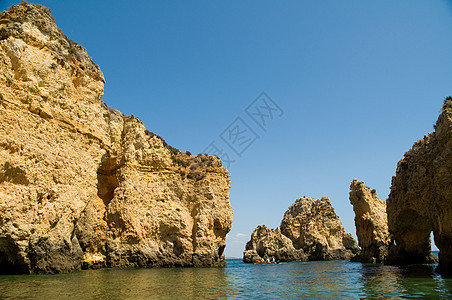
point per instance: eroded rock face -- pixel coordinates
(270, 243)
(314, 230)
(371, 223)
(421, 198)
(313, 226)
(82, 185)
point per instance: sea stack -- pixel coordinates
(421, 198)
(314, 231)
(81, 184)
(371, 223)
(268, 243)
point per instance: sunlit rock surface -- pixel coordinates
(371, 223)
(421, 198)
(310, 230)
(270, 243)
(82, 185)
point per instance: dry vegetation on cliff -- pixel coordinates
(82, 185)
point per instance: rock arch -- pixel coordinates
(421, 198)
(412, 238)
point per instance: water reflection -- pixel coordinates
(171, 283)
(380, 281)
(413, 281)
(319, 280)
(291, 280)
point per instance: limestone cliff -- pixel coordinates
(82, 185)
(421, 198)
(371, 223)
(314, 230)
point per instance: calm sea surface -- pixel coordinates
(313, 280)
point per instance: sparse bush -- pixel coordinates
(447, 103)
(173, 150)
(181, 162)
(196, 176)
(151, 135)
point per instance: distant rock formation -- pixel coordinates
(421, 198)
(82, 185)
(371, 223)
(313, 226)
(267, 243)
(310, 230)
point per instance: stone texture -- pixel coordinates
(268, 243)
(371, 223)
(313, 226)
(82, 185)
(314, 230)
(421, 198)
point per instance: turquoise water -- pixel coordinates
(321, 280)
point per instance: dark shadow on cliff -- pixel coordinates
(10, 262)
(107, 180)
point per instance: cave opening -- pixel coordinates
(10, 260)
(107, 180)
(414, 236)
(221, 250)
(433, 246)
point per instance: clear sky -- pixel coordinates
(357, 83)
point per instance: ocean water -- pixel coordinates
(307, 280)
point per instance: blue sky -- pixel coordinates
(358, 82)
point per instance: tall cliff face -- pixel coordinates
(82, 185)
(313, 229)
(371, 223)
(421, 197)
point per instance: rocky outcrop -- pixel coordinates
(371, 223)
(421, 198)
(270, 243)
(313, 226)
(314, 230)
(82, 185)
